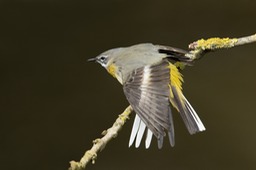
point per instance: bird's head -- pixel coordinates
(106, 58)
(108, 61)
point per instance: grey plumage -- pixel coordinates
(150, 98)
(151, 82)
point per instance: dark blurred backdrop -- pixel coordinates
(53, 103)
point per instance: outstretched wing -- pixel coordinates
(147, 90)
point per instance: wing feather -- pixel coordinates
(147, 90)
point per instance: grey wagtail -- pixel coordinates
(151, 81)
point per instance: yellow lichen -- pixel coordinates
(125, 115)
(216, 43)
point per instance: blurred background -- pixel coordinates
(53, 103)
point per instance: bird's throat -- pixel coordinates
(113, 70)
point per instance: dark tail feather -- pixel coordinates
(171, 129)
(188, 114)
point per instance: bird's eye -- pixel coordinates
(102, 58)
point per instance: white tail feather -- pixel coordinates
(148, 138)
(140, 134)
(195, 116)
(135, 128)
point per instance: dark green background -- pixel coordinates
(53, 103)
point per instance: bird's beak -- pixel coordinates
(92, 59)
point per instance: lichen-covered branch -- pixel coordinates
(100, 143)
(197, 50)
(200, 47)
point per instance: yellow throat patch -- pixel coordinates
(112, 70)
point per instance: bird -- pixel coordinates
(152, 82)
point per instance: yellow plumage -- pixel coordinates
(175, 77)
(112, 70)
(176, 81)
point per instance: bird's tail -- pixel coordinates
(178, 100)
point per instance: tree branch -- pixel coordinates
(99, 144)
(198, 49)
